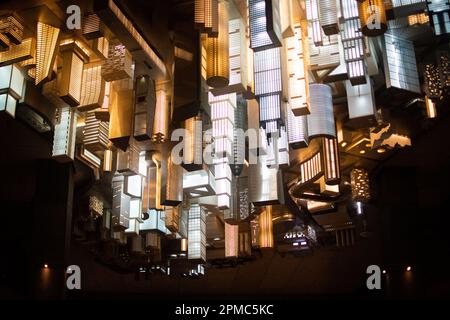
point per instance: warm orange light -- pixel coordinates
(381, 150)
(362, 151)
(408, 268)
(45, 266)
(266, 232)
(343, 144)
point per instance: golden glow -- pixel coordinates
(172, 218)
(47, 38)
(381, 150)
(266, 232)
(218, 73)
(331, 161)
(45, 266)
(206, 15)
(372, 14)
(343, 144)
(161, 120)
(19, 53)
(107, 160)
(184, 244)
(431, 108)
(92, 87)
(420, 18)
(359, 179)
(121, 115)
(118, 65)
(157, 161)
(362, 152)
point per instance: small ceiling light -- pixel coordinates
(343, 144)
(381, 150)
(45, 266)
(216, 239)
(408, 268)
(362, 151)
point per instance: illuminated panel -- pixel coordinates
(444, 72)
(266, 228)
(264, 25)
(361, 103)
(314, 29)
(278, 149)
(128, 161)
(286, 18)
(240, 126)
(431, 108)
(11, 88)
(120, 211)
(298, 81)
(193, 144)
(231, 240)
(265, 184)
(372, 15)
(11, 27)
(47, 38)
(199, 183)
(400, 64)
(95, 206)
(222, 118)
(172, 218)
(92, 27)
(119, 63)
(297, 127)
(144, 111)
(321, 118)
(330, 154)
(155, 222)
(196, 233)
(217, 68)
(206, 16)
(121, 115)
(439, 11)
(89, 158)
(127, 33)
(267, 66)
(353, 42)
(95, 133)
(133, 186)
(328, 16)
(326, 55)
(359, 179)
(237, 59)
(107, 160)
(310, 169)
(171, 182)
(432, 81)
(268, 86)
(101, 47)
(18, 53)
(71, 73)
(64, 136)
(92, 87)
(161, 117)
